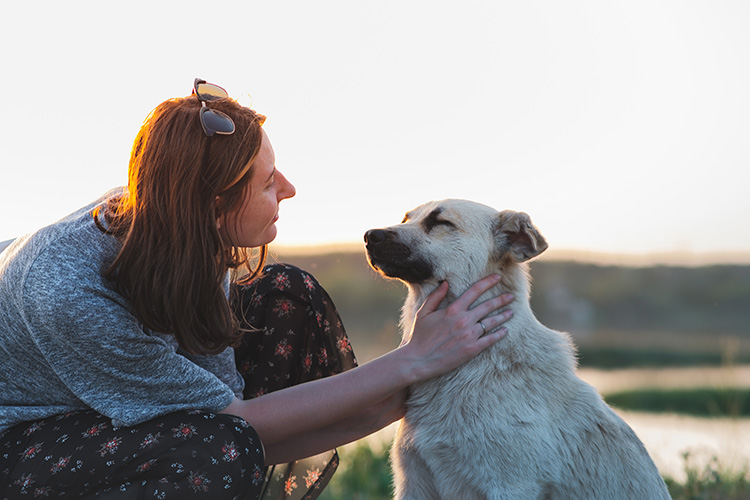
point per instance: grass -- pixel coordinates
(730, 402)
(710, 482)
(364, 474)
(616, 356)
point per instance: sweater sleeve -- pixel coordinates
(101, 354)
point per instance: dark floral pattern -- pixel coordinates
(155, 459)
(294, 335)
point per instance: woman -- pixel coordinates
(122, 340)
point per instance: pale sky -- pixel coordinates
(618, 126)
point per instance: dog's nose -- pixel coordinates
(375, 236)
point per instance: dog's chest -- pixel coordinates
(477, 394)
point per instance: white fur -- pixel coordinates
(515, 422)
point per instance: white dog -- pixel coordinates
(515, 422)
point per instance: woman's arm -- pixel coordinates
(441, 340)
(345, 431)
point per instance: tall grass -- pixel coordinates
(364, 474)
(710, 482)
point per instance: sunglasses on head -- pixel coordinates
(213, 121)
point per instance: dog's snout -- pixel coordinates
(375, 236)
(392, 257)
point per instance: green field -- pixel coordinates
(730, 402)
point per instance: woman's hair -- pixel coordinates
(173, 260)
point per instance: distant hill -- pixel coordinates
(694, 313)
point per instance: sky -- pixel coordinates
(619, 127)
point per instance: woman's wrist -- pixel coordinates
(411, 365)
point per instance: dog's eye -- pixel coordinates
(446, 223)
(433, 220)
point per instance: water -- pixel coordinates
(641, 378)
(669, 437)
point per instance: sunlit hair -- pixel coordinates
(174, 260)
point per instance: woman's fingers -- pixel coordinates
(469, 296)
(461, 306)
(488, 324)
(490, 338)
(434, 299)
(487, 307)
(442, 339)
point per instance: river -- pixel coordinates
(669, 437)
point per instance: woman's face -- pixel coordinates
(254, 223)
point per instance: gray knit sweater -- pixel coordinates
(69, 341)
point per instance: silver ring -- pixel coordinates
(484, 328)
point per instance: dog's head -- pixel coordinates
(455, 240)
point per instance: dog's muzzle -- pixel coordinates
(395, 259)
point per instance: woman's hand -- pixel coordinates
(347, 406)
(443, 339)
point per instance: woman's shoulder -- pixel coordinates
(72, 245)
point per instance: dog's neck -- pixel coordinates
(514, 279)
(528, 342)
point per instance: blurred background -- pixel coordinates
(621, 128)
(667, 345)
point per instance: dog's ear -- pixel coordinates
(515, 235)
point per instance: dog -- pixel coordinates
(514, 423)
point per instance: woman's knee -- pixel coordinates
(235, 430)
(202, 452)
(223, 437)
(167, 457)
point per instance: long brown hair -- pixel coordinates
(173, 260)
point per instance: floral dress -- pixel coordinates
(295, 336)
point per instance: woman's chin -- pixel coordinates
(269, 235)
(264, 238)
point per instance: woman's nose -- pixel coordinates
(288, 190)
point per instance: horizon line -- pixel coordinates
(680, 258)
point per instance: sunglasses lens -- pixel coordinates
(210, 92)
(216, 122)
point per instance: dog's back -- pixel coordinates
(515, 422)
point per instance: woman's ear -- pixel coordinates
(219, 211)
